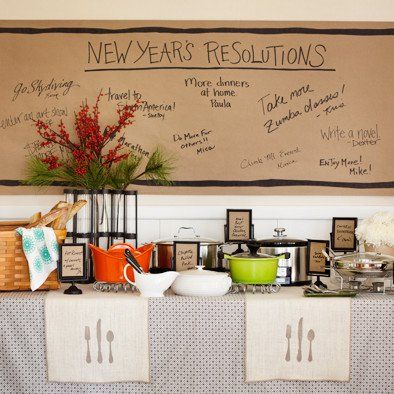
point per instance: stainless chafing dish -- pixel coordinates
(363, 265)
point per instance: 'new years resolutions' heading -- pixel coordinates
(209, 54)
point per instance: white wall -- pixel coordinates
(162, 215)
(329, 10)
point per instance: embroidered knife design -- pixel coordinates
(288, 336)
(98, 333)
(299, 353)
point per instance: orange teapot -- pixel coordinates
(109, 265)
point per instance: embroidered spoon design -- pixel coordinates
(311, 337)
(110, 338)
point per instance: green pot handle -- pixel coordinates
(284, 256)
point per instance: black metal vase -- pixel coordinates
(109, 216)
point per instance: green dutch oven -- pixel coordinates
(253, 268)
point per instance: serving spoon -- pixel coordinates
(133, 261)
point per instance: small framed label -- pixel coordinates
(72, 263)
(317, 263)
(343, 234)
(239, 225)
(186, 255)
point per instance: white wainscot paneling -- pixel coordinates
(305, 228)
(302, 216)
(161, 215)
(313, 229)
(148, 231)
(264, 228)
(264, 207)
(211, 228)
(22, 207)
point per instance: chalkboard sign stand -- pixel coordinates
(73, 290)
(311, 268)
(74, 269)
(238, 250)
(350, 245)
(319, 283)
(239, 247)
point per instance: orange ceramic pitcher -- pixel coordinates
(109, 265)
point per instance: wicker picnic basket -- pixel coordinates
(14, 270)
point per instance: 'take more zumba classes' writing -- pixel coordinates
(214, 54)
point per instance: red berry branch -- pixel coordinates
(91, 138)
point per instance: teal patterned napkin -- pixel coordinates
(41, 251)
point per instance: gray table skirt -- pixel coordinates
(197, 346)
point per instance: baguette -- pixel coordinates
(59, 204)
(75, 208)
(48, 218)
(60, 222)
(55, 223)
(35, 217)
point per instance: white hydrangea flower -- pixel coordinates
(377, 230)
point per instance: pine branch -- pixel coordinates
(38, 174)
(158, 168)
(119, 176)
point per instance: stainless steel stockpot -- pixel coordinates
(163, 255)
(295, 256)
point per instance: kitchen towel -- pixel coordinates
(97, 337)
(42, 253)
(290, 337)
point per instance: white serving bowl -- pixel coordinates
(200, 282)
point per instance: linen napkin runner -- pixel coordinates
(96, 337)
(291, 337)
(42, 253)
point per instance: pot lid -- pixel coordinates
(187, 234)
(252, 254)
(200, 272)
(281, 239)
(365, 258)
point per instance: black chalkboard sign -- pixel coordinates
(317, 264)
(239, 225)
(72, 266)
(343, 238)
(186, 255)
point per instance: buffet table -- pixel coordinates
(197, 345)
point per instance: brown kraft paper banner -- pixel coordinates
(244, 107)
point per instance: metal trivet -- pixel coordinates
(107, 287)
(264, 289)
(366, 282)
(366, 289)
